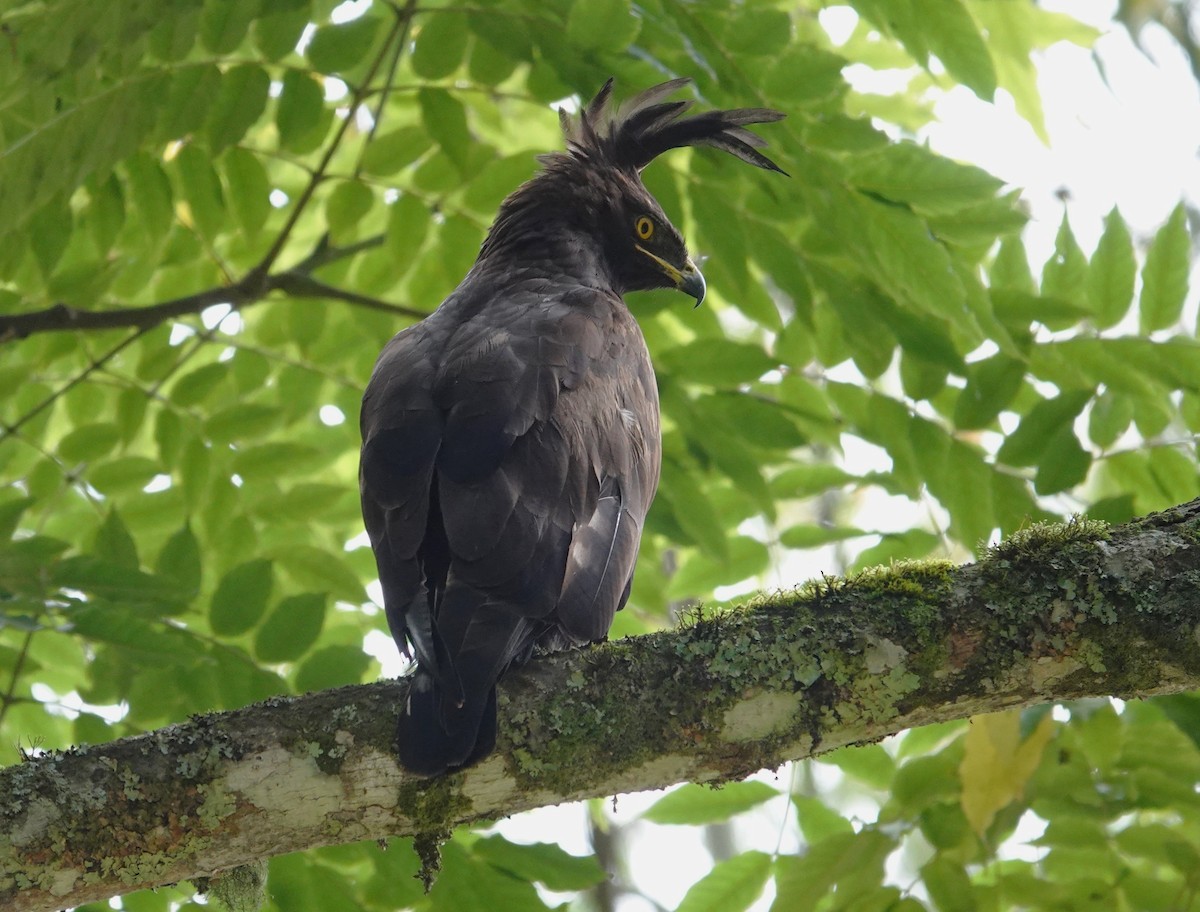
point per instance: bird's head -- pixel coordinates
(590, 200)
(643, 249)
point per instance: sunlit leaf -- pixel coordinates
(1165, 273)
(241, 597)
(696, 804)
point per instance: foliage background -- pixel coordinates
(178, 512)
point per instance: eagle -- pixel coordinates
(511, 442)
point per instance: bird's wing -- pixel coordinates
(625, 457)
(401, 432)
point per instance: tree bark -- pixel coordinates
(1057, 612)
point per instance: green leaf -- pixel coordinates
(245, 421)
(758, 32)
(1010, 268)
(818, 820)
(49, 231)
(441, 44)
(693, 510)
(114, 544)
(179, 561)
(497, 180)
(1063, 464)
(223, 26)
(716, 362)
(869, 763)
(108, 580)
(277, 34)
(202, 190)
(698, 804)
(1026, 445)
(249, 190)
(10, 516)
(543, 862)
(852, 862)
(332, 666)
(602, 25)
(322, 570)
(241, 101)
(291, 628)
(189, 100)
(963, 485)
(1065, 275)
(1165, 273)
(950, 32)
(700, 573)
(807, 76)
(1109, 418)
(808, 535)
(912, 174)
(338, 48)
(346, 207)
(88, 442)
(911, 262)
(152, 197)
(470, 884)
(1111, 274)
(65, 147)
(992, 384)
(949, 886)
(731, 886)
(276, 459)
(445, 120)
(241, 598)
(300, 115)
(391, 151)
(147, 642)
(195, 386)
(123, 475)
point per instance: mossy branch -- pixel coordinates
(1058, 612)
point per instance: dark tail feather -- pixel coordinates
(434, 735)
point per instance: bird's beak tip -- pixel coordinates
(691, 282)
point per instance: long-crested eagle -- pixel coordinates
(511, 439)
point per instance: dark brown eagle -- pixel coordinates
(511, 439)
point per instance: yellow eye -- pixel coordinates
(644, 228)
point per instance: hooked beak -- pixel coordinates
(689, 280)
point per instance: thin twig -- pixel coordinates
(305, 286)
(263, 269)
(239, 295)
(406, 15)
(7, 699)
(8, 430)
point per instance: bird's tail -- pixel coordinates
(435, 734)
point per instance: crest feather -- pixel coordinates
(647, 125)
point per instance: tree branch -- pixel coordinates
(296, 281)
(1057, 612)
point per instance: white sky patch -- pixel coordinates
(331, 415)
(349, 11)
(305, 37)
(278, 199)
(211, 317)
(335, 89)
(70, 705)
(159, 482)
(361, 540)
(381, 647)
(838, 22)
